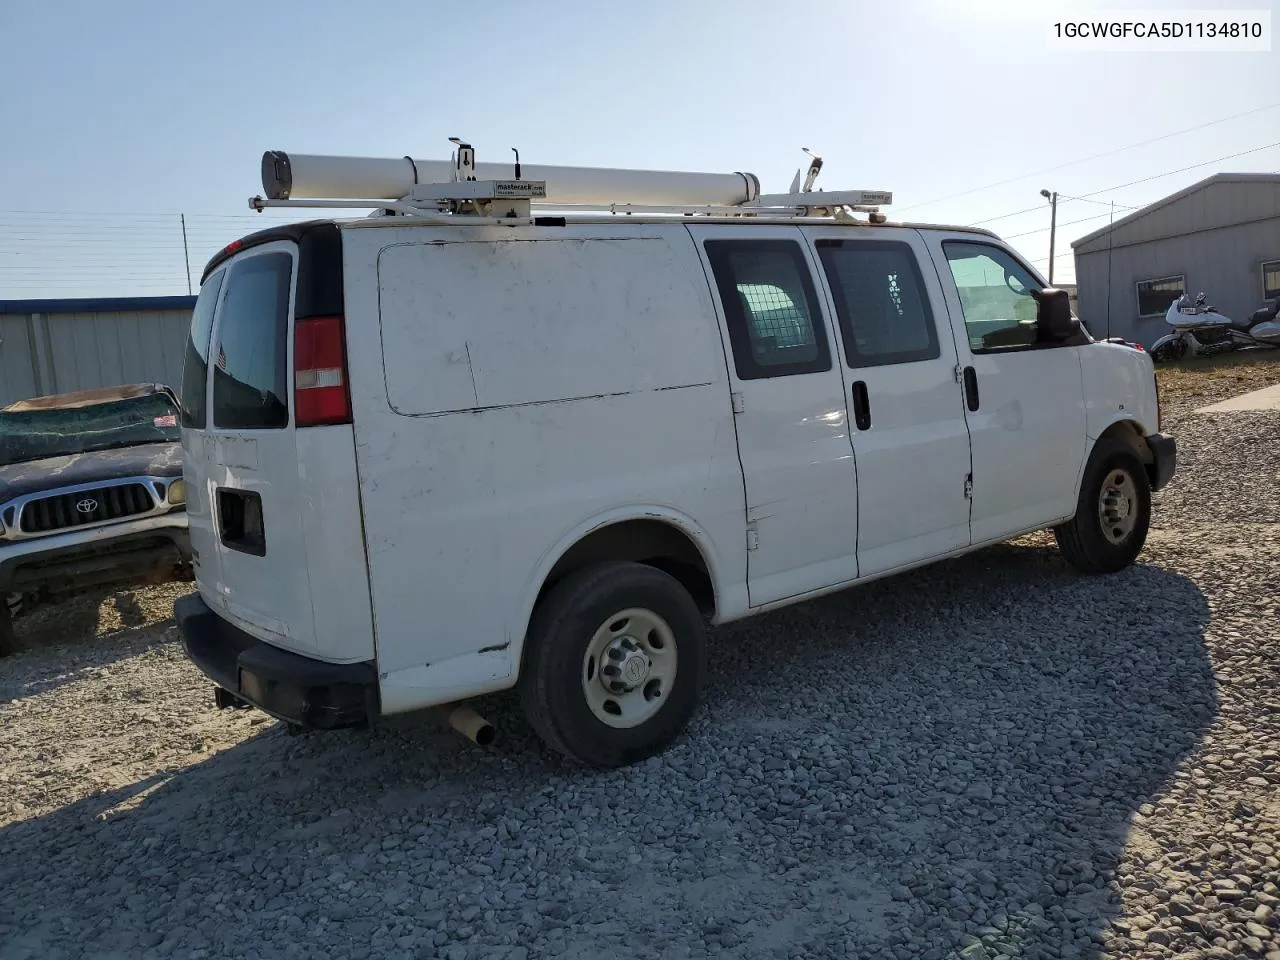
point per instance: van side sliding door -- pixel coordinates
(905, 400)
(789, 410)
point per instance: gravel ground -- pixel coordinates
(991, 757)
(1201, 381)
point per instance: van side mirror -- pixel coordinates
(1053, 315)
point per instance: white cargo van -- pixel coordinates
(464, 445)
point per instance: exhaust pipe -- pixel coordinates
(469, 723)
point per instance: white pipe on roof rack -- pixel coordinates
(303, 175)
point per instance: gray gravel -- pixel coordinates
(1233, 472)
(992, 757)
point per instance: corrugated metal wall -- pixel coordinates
(1221, 202)
(1225, 264)
(42, 353)
(17, 350)
(1216, 234)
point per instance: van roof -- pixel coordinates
(296, 231)
(284, 231)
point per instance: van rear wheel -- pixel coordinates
(1113, 513)
(614, 663)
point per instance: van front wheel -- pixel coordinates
(1112, 515)
(613, 664)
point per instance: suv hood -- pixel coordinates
(145, 460)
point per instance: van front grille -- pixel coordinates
(62, 511)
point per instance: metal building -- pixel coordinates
(53, 346)
(1220, 236)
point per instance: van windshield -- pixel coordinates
(27, 435)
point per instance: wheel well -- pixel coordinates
(651, 542)
(1130, 434)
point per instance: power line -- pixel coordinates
(152, 215)
(1134, 183)
(1194, 166)
(1105, 203)
(1063, 198)
(156, 241)
(1069, 223)
(1006, 216)
(266, 217)
(1096, 156)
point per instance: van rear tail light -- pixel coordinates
(320, 394)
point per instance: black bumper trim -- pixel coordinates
(1164, 450)
(288, 686)
(127, 557)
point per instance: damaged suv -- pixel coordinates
(91, 495)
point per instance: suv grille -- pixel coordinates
(64, 510)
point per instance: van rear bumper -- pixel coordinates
(296, 689)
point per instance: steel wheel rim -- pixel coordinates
(1118, 506)
(629, 668)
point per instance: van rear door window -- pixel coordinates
(250, 362)
(195, 367)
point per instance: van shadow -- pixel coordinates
(92, 630)
(894, 771)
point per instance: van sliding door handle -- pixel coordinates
(971, 388)
(861, 406)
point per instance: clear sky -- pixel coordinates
(115, 117)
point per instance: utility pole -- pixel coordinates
(1053, 226)
(186, 256)
(1111, 230)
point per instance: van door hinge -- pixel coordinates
(753, 536)
(739, 404)
(968, 487)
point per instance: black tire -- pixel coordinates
(551, 680)
(1083, 539)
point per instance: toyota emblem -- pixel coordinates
(87, 505)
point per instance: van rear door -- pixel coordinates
(278, 532)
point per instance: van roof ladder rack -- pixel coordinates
(432, 189)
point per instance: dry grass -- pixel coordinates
(1198, 381)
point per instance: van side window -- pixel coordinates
(195, 367)
(770, 306)
(881, 302)
(250, 375)
(995, 296)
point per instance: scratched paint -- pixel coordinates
(578, 348)
(491, 325)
